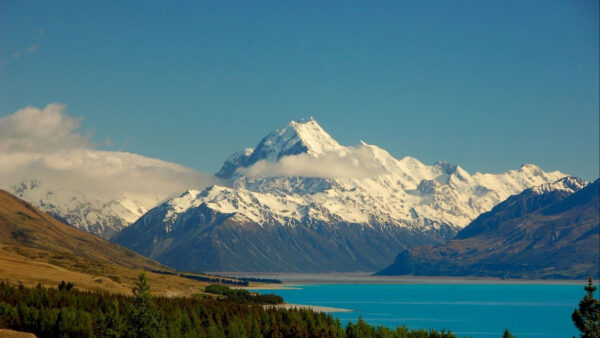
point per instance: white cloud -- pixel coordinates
(40, 130)
(351, 162)
(45, 144)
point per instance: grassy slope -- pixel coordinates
(36, 248)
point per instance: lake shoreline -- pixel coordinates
(477, 309)
(316, 308)
(289, 280)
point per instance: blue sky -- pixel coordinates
(487, 85)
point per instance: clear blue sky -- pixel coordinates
(489, 85)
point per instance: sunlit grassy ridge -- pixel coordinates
(36, 248)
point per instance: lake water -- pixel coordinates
(533, 310)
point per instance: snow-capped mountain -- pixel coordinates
(548, 231)
(300, 201)
(101, 216)
(404, 192)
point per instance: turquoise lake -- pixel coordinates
(475, 310)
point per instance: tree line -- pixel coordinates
(243, 296)
(68, 312)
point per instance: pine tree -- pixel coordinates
(587, 317)
(507, 334)
(112, 325)
(145, 319)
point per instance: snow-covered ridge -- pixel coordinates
(404, 192)
(568, 184)
(100, 216)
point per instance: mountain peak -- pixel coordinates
(309, 133)
(446, 167)
(302, 136)
(530, 167)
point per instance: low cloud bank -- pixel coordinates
(351, 162)
(46, 145)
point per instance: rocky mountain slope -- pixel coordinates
(550, 231)
(300, 201)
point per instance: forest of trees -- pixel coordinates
(68, 312)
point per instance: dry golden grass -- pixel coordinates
(4, 333)
(17, 269)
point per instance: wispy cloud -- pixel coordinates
(46, 144)
(26, 51)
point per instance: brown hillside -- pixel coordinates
(36, 248)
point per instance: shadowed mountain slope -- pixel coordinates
(544, 232)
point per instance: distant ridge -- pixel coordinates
(550, 231)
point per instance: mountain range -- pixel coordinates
(300, 201)
(549, 231)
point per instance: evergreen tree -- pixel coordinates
(145, 319)
(65, 286)
(507, 334)
(587, 317)
(112, 325)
